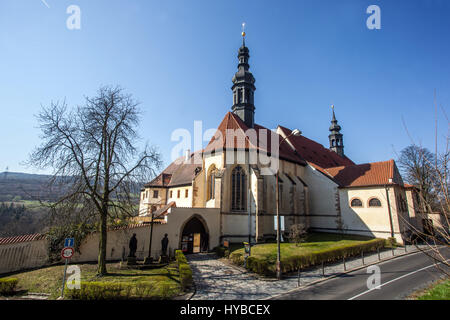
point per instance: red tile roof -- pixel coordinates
(368, 174)
(22, 238)
(233, 133)
(161, 212)
(314, 152)
(179, 172)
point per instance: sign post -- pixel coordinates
(66, 253)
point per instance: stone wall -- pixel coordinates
(23, 255)
(33, 254)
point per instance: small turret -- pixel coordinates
(336, 137)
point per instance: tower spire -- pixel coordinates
(243, 34)
(336, 137)
(244, 86)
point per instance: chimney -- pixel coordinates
(188, 155)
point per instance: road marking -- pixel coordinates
(403, 276)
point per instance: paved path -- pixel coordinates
(216, 279)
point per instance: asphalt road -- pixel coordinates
(399, 278)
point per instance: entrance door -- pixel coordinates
(196, 247)
(194, 238)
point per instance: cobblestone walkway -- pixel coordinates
(217, 279)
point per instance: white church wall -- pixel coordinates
(235, 227)
(365, 219)
(148, 199)
(321, 203)
(216, 161)
(178, 195)
(369, 221)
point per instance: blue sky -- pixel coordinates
(178, 57)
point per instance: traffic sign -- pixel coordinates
(67, 253)
(69, 242)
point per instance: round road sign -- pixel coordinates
(67, 253)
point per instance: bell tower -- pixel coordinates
(244, 87)
(336, 137)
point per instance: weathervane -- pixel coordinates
(243, 29)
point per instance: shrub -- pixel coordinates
(391, 242)
(113, 291)
(99, 291)
(185, 270)
(8, 286)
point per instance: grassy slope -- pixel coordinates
(314, 242)
(49, 280)
(440, 291)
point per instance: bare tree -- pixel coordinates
(414, 162)
(93, 149)
(297, 233)
(429, 173)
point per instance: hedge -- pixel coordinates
(116, 291)
(8, 286)
(222, 251)
(185, 270)
(294, 262)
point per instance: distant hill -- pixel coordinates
(16, 186)
(23, 176)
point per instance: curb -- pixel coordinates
(342, 273)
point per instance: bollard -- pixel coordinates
(393, 253)
(323, 270)
(406, 248)
(345, 268)
(362, 257)
(298, 278)
(378, 251)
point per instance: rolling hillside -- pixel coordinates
(16, 186)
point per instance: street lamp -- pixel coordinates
(296, 133)
(149, 259)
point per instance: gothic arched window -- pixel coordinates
(238, 189)
(374, 202)
(356, 203)
(211, 183)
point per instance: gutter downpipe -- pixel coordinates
(389, 210)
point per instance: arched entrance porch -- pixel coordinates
(194, 235)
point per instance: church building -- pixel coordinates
(228, 190)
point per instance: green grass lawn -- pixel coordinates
(317, 247)
(164, 281)
(439, 291)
